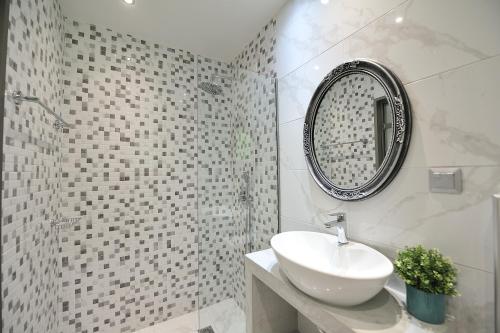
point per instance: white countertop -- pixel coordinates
(382, 314)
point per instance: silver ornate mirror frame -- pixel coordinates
(401, 117)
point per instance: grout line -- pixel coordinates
(473, 268)
(291, 121)
(451, 70)
(295, 169)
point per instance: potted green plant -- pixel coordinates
(429, 278)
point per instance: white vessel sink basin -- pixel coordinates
(342, 275)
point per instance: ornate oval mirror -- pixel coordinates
(357, 130)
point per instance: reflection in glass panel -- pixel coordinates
(237, 187)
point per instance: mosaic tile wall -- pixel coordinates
(259, 55)
(244, 119)
(254, 150)
(151, 163)
(130, 174)
(31, 170)
(144, 133)
(344, 131)
(216, 195)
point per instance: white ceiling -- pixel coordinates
(217, 29)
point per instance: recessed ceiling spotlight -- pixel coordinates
(324, 2)
(129, 2)
(399, 19)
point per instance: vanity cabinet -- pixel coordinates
(274, 305)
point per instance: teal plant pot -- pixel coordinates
(424, 306)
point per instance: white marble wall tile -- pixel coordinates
(405, 213)
(473, 309)
(306, 28)
(448, 60)
(456, 117)
(301, 199)
(422, 45)
(291, 147)
(290, 224)
(296, 89)
(421, 38)
(408, 198)
(444, 106)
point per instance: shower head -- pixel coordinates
(211, 88)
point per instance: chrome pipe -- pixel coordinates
(19, 98)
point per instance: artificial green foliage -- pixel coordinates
(427, 270)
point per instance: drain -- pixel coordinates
(207, 329)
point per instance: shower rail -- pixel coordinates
(19, 98)
(363, 141)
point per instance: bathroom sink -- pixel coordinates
(344, 275)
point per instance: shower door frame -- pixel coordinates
(278, 161)
(4, 30)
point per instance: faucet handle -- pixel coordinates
(339, 217)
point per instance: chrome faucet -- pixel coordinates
(338, 223)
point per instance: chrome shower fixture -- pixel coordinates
(211, 87)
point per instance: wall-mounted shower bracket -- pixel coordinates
(18, 98)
